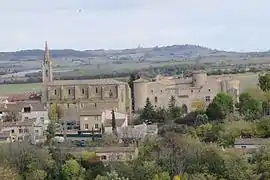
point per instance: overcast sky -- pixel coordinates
(240, 25)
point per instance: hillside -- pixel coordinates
(175, 51)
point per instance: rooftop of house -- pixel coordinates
(87, 82)
(252, 141)
(25, 123)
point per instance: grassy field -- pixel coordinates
(247, 80)
(19, 88)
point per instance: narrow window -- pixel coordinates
(156, 99)
(95, 105)
(67, 105)
(209, 89)
(69, 91)
(96, 90)
(96, 126)
(46, 73)
(86, 126)
(82, 90)
(110, 93)
(55, 92)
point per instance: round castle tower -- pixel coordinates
(199, 78)
(232, 87)
(140, 93)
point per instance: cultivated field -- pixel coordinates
(19, 88)
(247, 80)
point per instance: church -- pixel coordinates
(89, 95)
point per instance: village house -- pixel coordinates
(95, 119)
(21, 130)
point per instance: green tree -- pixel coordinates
(110, 176)
(221, 106)
(72, 170)
(162, 176)
(249, 107)
(148, 112)
(54, 112)
(114, 128)
(132, 78)
(173, 110)
(264, 82)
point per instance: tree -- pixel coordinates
(110, 176)
(72, 170)
(264, 82)
(221, 106)
(173, 110)
(249, 107)
(53, 112)
(51, 130)
(132, 78)
(162, 176)
(114, 128)
(148, 112)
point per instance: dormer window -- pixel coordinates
(27, 109)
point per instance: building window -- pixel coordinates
(55, 92)
(67, 105)
(69, 91)
(152, 91)
(103, 157)
(20, 131)
(26, 131)
(95, 105)
(161, 91)
(27, 109)
(85, 118)
(81, 105)
(243, 146)
(12, 131)
(96, 90)
(86, 126)
(110, 93)
(209, 89)
(207, 98)
(191, 90)
(96, 117)
(156, 99)
(96, 126)
(36, 131)
(46, 73)
(83, 91)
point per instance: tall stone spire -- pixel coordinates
(46, 53)
(47, 73)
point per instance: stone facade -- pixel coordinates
(190, 93)
(84, 94)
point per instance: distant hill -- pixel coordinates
(175, 51)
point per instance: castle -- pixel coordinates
(190, 93)
(83, 94)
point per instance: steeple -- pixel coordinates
(46, 53)
(47, 73)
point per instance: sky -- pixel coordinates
(235, 25)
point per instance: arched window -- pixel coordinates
(46, 73)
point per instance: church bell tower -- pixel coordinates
(47, 73)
